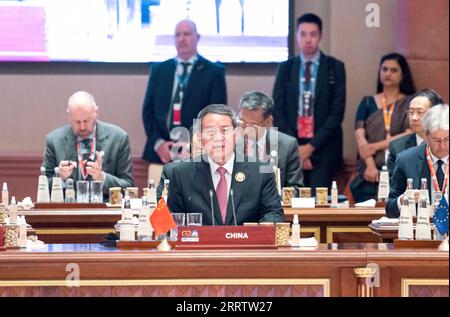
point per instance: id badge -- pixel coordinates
(305, 127)
(176, 114)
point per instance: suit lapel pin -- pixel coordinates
(239, 177)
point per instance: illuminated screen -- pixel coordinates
(141, 30)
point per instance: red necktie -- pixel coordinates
(221, 192)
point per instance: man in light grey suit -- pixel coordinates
(263, 142)
(88, 149)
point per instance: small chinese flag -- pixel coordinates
(161, 219)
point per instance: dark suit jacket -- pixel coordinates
(206, 86)
(411, 163)
(61, 145)
(287, 157)
(256, 199)
(329, 109)
(329, 104)
(397, 146)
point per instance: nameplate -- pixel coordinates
(226, 237)
(135, 203)
(303, 202)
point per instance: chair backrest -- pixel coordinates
(154, 172)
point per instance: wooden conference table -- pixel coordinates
(328, 270)
(328, 225)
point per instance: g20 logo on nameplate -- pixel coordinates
(189, 236)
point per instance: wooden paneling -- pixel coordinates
(422, 36)
(241, 270)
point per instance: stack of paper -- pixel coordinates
(384, 221)
(367, 203)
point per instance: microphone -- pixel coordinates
(212, 206)
(232, 205)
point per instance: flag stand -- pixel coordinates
(164, 245)
(444, 245)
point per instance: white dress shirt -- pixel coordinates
(419, 140)
(216, 176)
(260, 145)
(435, 165)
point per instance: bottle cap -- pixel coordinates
(5, 187)
(42, 169)
(166, 181)
(334, 185)
(13, 200)
(56, 170)
(295, 222)
(384, 168)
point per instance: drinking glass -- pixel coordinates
(194, 219)
(82, 192)
(96, 192)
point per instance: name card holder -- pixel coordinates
(416, 244)
(226, 237)
(69, 205)
(306, 202)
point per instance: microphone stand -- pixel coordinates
(232, 205)
(212, 206)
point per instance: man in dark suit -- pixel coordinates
(418, 106)
(415, 162)
(89, 149)
(219, 179)
(265, 143)
(177, 90)
(309, 95)
(167, 171)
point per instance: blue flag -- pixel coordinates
(441, 216)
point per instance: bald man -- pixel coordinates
(88, 149)
(177, 90)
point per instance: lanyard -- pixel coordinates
(387, 115)
(82, 162)
(433, 172)
(182, 81)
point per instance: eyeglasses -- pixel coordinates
(244, 124)
(419, 113)
(211, 132)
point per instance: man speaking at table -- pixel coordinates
(219, 183)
